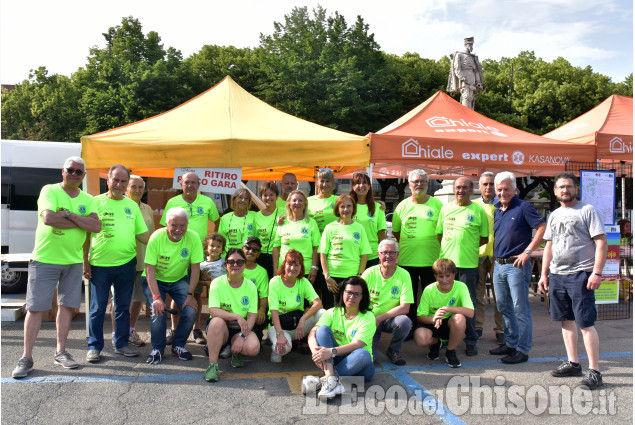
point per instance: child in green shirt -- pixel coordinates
(443, 310)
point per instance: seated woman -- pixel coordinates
(342, 340)
(287, 293)
(233, 304)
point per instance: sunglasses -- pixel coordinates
(74, 171)
(250, 248)
(238, 263)
(387, 253)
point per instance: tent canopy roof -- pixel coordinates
(225, 127)
(609, 126)
(448, 138)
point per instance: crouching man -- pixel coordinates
(171, 250)
(443, 310)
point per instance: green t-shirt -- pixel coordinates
(281, 203)
(300, 235)
(372, 225)
(321, 210)
(236, 229)
(171, 259)
(361, 328)
(432, 299)
(386, 294)
(266, 228)
(462, 228)
(61, 246)
(285, 299)
(343, 245)
(241, 300)
(417, 224)
(258, 277)
(148, 218)
(200, 211)
(120, 221)
(487, 250)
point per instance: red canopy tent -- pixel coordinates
(608, 127)
(446, 138)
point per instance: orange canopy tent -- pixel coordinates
(608, 127)
(446, 138)
(225, 127)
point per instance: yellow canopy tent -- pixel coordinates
(225, 127)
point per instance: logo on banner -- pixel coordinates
(447, 125)
(617, 145)
(518, 157)
(411, 149)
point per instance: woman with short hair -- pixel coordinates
(238, 224)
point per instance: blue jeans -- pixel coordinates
(178, 291)
(357, 363)
(121, 278)
(398, 326)
(470, 278)
(511, 285)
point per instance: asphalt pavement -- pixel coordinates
(121, 390)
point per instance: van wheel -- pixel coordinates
(13, 282)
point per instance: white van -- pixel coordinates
(26, 167)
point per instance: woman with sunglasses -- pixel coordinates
(258, 276)
(233, 304)
(266, 225)
(343, 248)
(238, 224)
(341, 342)
(287, 294)
(369, 214)
(299, 232)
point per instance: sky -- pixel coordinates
(58, 34)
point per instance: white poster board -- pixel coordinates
(598, 189)
(214, 180)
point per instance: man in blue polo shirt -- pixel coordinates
(514, 222)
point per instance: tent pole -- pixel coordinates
(623, 197)
(369, 170)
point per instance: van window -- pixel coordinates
(21, 186)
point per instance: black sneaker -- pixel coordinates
(433, 354)
(567, 369)
(452, 359)
(470, 350)
(197, 334)
(592, 379)
(502, 350)
(500, 338)
(395, 357)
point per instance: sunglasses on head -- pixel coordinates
(74, 171)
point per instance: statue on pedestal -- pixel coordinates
(466, 74)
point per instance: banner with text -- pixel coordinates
(608, 292)
(215, 180)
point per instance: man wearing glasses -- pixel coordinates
(65, 215)
(414, 226)
(171, 250)
(390, 299)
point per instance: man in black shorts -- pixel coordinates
(572, 265)
(443, 310)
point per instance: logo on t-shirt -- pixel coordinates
(331, 206)
(304, 231)
(185, 252)
(452, 301)
(82, 209)
(429, 213)
(128, 211)
(199, 211)
(394, 290)
(298, 298)
(470, 217)
(356, 235)
(353, 332)
(250, 227)
(244, 301)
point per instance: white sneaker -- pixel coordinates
(275, 357)
(330, 388)
(310, 384)
(226, 352)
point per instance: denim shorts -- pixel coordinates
(569, 299)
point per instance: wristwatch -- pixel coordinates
(334, 351)
(327, 277)
(278, 333)
(68, 213)
(313, 267)
(597, 274)
(528, 251)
